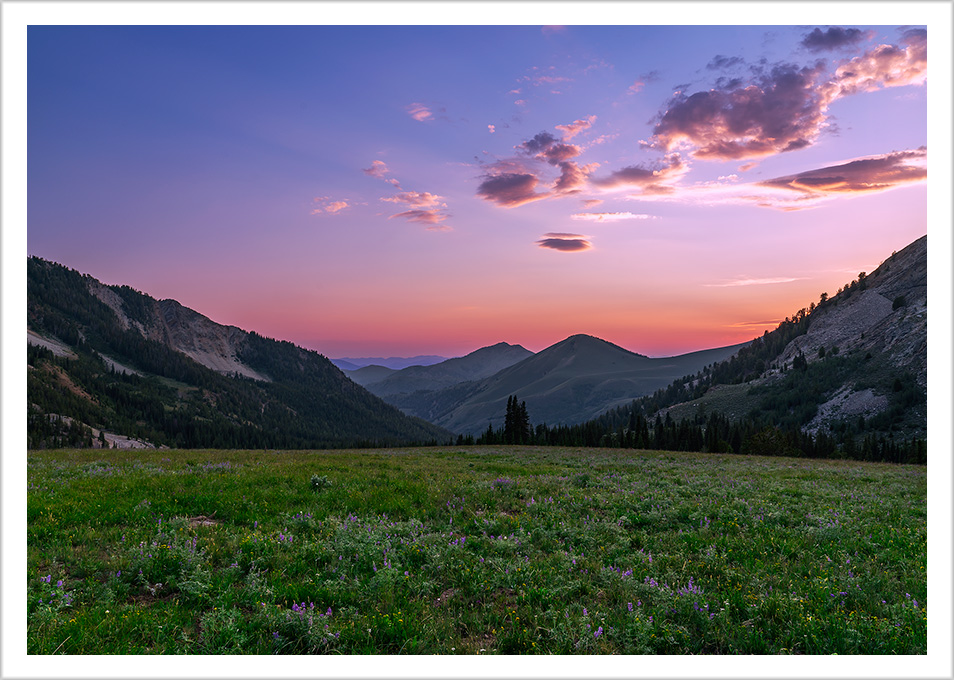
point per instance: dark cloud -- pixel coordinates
(782, 110)
(643, 176)
(510, 189)
(834, 38)
(558, 153)
(572, 178)
(567, 243)
(723, 83)
(540, 143)
(863, 175)
(720, 62)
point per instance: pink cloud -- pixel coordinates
(572, 129)
(782, 111)
(378, 169)
(572, 178)
(784, 108)
(492, 129)
(609, 216)
(648, 178)
(419, 112)
(415, 198)
(753, 282)
(637, 86)
(804, 190)
(590, 202)
(885, 66)
(863, 175)
(329, 206)
(434, 218)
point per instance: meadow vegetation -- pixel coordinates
(472, 550)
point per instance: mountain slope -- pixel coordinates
(155, 370)
(479, 364)
(855, 364)
(568, 382)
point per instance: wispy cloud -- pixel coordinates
(721, 62)
(752, 282)
(567, 243)
(803, 190)
(415, 198)
(768, 323)
(863, 175)
(328, 205)
(571, 130)
(650, 178)
(419, 112)
(379, 170)
(609, 216)
(434, 218)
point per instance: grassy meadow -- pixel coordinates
(472, 550)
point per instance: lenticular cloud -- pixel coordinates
(567, 243)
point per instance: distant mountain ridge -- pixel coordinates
(479, 364)
(394, 363)
(111, 359)
(566, 383)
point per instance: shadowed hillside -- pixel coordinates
(108, 364)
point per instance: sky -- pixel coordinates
(401, 190)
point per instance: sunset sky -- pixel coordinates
(403, 190)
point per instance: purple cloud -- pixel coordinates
(648, 178)
(834, 38)
(863, 175)
(434, 218)
(783, 108)
(720, 62)
(567, 243)
(510, 189)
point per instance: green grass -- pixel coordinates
(472, 550)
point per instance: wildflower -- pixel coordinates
(599, 631)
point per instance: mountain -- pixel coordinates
(851, 366)
(481, 363)
(111, 360)
(395, 363)
(367, 375)
(566, 383)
